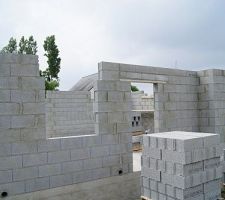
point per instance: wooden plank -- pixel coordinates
(137, 147)
(145, 198)
(137, 133)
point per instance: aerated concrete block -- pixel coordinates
(71, 143)
(31, 83)
(49, 145)
(99, 151)
(79, 154)
(9, 83)
(25, 173)
(61, 180)
(4, 95)
(109, 75)
(5, 149)
(13, 188)
(37, 184)
(58, 156)
(5, 176)
(24, 70)
(72, 166)
(24, 148)
(9, 108)
(23, 121)
(4, 69)
(34, 159)
(49, 170)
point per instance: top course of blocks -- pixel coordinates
(181, 141)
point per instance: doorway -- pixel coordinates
(142, 118)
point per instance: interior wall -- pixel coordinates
(141, 101)
(69, 113)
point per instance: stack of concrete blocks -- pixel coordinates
(181, 166)
(69, 113)
(31, 162)
(141, 101)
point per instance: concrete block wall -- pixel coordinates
(140, 101)
(29, 161)
(176, 103)
(69, 113)
(142, 112)
(148, 121)
(136, 121)
(22, 99)
(184, 100)
(175, 95)
(211, 102)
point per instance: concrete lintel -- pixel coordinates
(142, 81)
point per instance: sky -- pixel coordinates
(182, 34)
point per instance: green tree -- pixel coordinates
(27, 46)
(134, 88)
(22, 45)
(51, 85)
(52, 54)
(54, 61)
(11, 47)
(31, 47)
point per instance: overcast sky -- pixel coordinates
(184, 34)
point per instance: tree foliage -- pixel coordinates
(54, 61)
(11, 47)
(26, 46)
(52, 54)
(51, 85)
(22, 45)
(134, 88)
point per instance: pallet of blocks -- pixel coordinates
(181, 166)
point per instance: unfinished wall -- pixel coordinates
(141, 101)
(30, 162)
(22, 100)
(211, 101)
(113, 188)
(148, 121)
(180, 96)
(69, 113)
(175, 92)
(143, 108)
